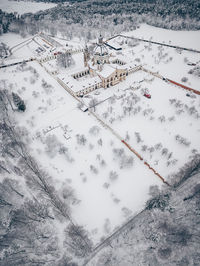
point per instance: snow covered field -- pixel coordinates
(188, 39)
(164, 129)
(22, 7)
(108, 182)
(169, 62)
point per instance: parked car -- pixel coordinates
(147, 95)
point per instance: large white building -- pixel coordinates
(101, 69)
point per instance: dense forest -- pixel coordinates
(76, 16)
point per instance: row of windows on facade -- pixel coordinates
(111, 79)
(81, 74)
(89, 89)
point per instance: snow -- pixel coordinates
(169, 62)
(104, 203)
(153, 131)
(188, 39)
(106, 71)
(22, 7)
(53, 112)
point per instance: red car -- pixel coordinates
(147, 95)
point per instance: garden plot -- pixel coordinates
(164, 129)
(170, 63)
(181, 66)
(89, 167)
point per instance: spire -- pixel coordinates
(100, 39)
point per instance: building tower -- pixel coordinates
(86, 56)
(101, 55)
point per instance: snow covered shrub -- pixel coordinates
(144, 147)
(127, 137)
(52, 145)
(184, 79)
(158, 202)
(112, 100)
(103, 163)
(172, 101)
(195, 71)
(162, 118)
(107, 226)
(192, 110)
(170, 155)
(32, 80)
(100, 142)
(113, 175)
(171, 162)
(164, 151)
(179, 111)
(118, 152)
(93, 169)
(91, 146)
(68, 194)
(19, 103)
(165, 252)
(124, 160)
(116, 200)
(182, 140)
(94, 130)
(106, 185)
(64, 151)
(81, 139)
(171, 118)
(154, 191)
(47, 87)
(137, 60)
(148, 111)
(136, 110)
(105, 115)
(151, 149)
(127, 212)
(138, 137)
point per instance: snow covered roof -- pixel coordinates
(77, 70)
(76, 85)
(106, 71)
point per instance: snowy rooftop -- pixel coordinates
(106, 71)
(77, 70)
(76, 85)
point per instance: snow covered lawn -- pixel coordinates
(169, 62)
(183, 38)
(109, 184)
(22, 7)
(164, 129)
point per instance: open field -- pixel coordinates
(21, 7)
(102, 173)
(108, 183)
(163, 129)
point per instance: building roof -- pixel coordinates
(76, 85)
(106, 71)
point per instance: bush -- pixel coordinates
(159, 202)
(19, 103)
(113, 175)
(184, 79)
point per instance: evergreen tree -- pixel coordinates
(19, 103)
